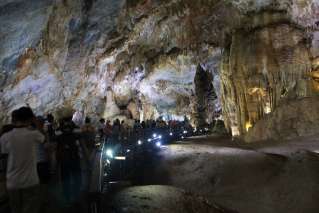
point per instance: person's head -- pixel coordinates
(24, 116)
(117, 121)
(108, 121)
(102, 120)
(87, 120)
(50, 118)
(14, 116)
(67, 125)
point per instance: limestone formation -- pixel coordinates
(261, 67)
(137, 59)
(204, 97)
(292, 119)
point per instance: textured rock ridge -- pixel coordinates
(262, 66)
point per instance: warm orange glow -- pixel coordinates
(314, 74)
(316, 85)
(315, 79)
(248, 125)
(257, 91)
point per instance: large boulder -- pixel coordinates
(291, 119)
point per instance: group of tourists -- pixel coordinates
(124, 131)
(40, 150)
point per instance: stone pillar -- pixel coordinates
(204, 97)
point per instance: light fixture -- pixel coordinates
(109, 153)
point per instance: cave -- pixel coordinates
(245, 70)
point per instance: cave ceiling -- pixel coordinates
(139, 57)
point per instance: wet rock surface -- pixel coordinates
(214, 174)
(159, 198)
(261, 177)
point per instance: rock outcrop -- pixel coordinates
(293, 118)
(262, 66)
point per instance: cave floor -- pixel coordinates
(247, 178)
(215, 174)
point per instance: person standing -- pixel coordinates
(43, 164)
(50, 128)
(100, 127)
(88, 134)
(21, 146)
(116, 130)
(69, 160)
(107, 130)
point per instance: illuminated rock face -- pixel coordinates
(262, 67)
(80, 51)
(138, 59)
(268, 61)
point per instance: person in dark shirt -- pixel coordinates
(69, 160)
(88, 133)
(107, 130)
(101, 127)
(49, 128)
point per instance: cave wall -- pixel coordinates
(263, 66)
(269, 62)
(70, 54)
(138, 58)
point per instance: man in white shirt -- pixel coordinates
(22, 179)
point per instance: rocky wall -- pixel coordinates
(267, 62)
(138, 58)
(69, 55)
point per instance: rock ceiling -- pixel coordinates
(139, 58)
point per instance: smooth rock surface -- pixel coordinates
(164, 199)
